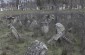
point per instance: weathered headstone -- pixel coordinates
(15, 32)
(45, 24)
(60, 32)
(34, 24)
(37, 48)
(45, 27)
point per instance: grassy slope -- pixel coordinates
(10, 45)
(17, 12)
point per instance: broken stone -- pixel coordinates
(37, 48)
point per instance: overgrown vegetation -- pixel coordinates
(10, 46)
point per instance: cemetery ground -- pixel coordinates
(10, 46)
(17, 12)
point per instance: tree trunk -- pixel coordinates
(17, 3)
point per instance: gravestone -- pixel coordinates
(33, 24)
(37, 48)
(45, 24)
(45, 28)
(15, 32)
(60, 32)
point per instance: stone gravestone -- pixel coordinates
(33, 24)
(15, 32)
(45, 24)
(45, 27)
(60, 32)
(60, 28)
(13, 29)
(37, 48)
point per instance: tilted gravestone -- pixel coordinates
(13, 29)
(15, 32)
(37, 48)
(60, 33)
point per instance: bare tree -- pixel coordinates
(17, 3)
(82, 3)
(38, 2)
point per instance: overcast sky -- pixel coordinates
(21, 0)
(6, 0)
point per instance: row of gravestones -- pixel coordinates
(45, 23)
(38, 48)
(32, 21)
(62, 18)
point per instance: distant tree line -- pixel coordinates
(51, 3)
(70, 3)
